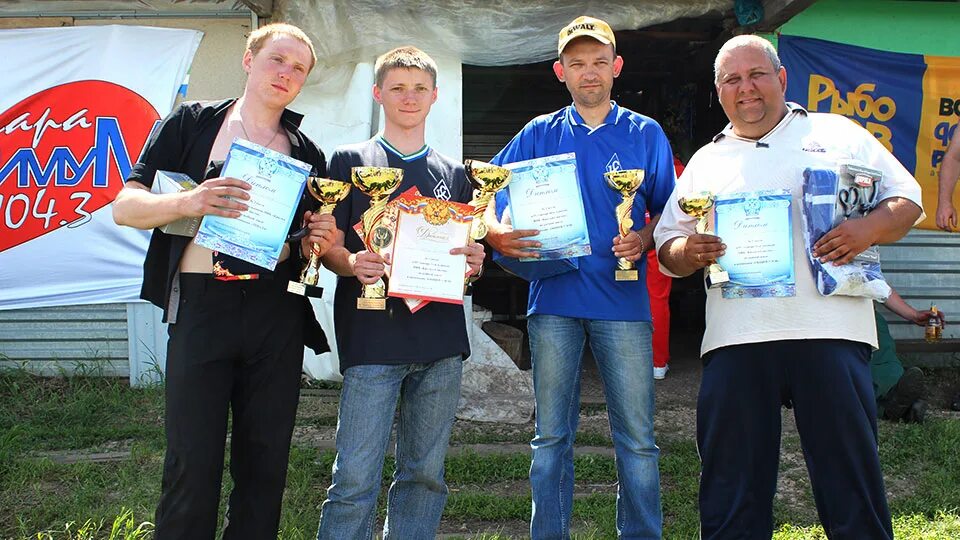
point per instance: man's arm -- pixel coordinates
(635, 245)
(887, 223)
(509, 242)
(685, 255)
(899, 306)
(949, 172)
(136, 206)
(367, 266)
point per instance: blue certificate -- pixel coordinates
(757, 229)
(545, 195)
(258, 235)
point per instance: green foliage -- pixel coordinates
(124, 527)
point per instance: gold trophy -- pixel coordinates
(487, 179)
(377, 183)
(626, 183)
(329, 193)
(698, 205)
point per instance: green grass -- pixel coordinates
(928, 457)
(76, 412)
(906, 526)
(44, 500)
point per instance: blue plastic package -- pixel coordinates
(831, 196)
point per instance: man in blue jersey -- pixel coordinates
(567, 309)
(394, 355)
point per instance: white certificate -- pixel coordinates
(277, 182)
(422, 266)
(757, 230)
(545, 195)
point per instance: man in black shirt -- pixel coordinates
(394, 354)
(236, 337)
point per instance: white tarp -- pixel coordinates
(349, 35)
(478, 32)
(76, 108)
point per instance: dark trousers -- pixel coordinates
(738, 433)
(236, 345)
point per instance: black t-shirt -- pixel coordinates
(182, 143)
(395, 336)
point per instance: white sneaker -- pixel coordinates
(660, 373)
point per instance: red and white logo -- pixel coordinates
(64, 153)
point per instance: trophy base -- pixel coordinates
(627, 275)
(717, 279)
(372, 304)
(303, 289)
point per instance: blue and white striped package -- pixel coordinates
(831, 196)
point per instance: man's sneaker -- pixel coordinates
(955, 404)
(902, 396)
(659, 373)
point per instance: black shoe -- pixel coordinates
(916, 413)
(955, 404)
(903, 395)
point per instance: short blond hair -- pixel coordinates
(408, 57)
(259, 36)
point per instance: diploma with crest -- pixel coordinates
(422, 266)
(277, 182)
(545, 195)
(757, 230)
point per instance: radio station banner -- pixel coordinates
(76, 107)
(910, 102)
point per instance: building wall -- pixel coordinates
(216, 72)
(887, 25)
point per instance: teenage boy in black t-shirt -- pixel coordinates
(392, 355)
(236, 335)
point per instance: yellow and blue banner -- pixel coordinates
(910, 102)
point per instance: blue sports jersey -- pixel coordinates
(625, 140)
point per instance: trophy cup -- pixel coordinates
(377, 183)
(329, 193)
(626, 183)
(487, 179)
(698, 205)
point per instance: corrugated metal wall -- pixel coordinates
(924, 267)
(66, 340)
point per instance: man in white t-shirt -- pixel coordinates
(807, 351)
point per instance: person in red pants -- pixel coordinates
(658, 287)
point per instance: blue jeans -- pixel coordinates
(623, 353)
(428, 395)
